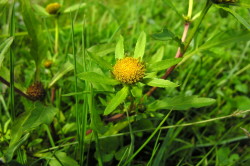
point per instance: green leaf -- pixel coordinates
(117, 100)
(97, 78)
(166, 35)
(3, 5)
(12, 148)
(140, 46)
(180, 103)
(100, 61)
(102, 49)
(219, 40)
(37, 114)
(161, 65)
(237, 16)
(38, 42)
(40, 10)
(119, 49)
(159, 83)
(171, 5)
(157, 56)
(61, 158)
(74, 7)
(4, 48)
(67, 67)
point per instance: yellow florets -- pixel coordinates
(53, 8)
(129, 70)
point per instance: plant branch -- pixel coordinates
(178, 54)
(185, 40)
(16, 89)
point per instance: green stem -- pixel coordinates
(197, 25)
(56, 35)
(147, 141)
(49, 135)
(12, 87)
(37, 72)
(190, 8)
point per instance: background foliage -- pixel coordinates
(81, 44)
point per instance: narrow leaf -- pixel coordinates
(117, 100)
(97, 78)
(171, 5)
(4, 48)
(102, 49)
(180, 103)
(161, 65)
(74, 8)
(40, 10)
(11, 149)
(140, 46)
(119, 49)
(100, 61)
(158, 55)
(236, 15)
(67, 67)
(159, 83)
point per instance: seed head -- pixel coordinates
(129, 70)
(36, 91)
(53, 8)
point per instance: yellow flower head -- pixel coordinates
(129, 70)
(53, 8)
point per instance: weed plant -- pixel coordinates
(114, 82)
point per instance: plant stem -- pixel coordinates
(180, 52)
(16, 89)
(190, 9)
(197, 25)
(56, 36)
(12, 87)
(149, 138)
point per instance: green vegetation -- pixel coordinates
(115, 82)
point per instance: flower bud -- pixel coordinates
(36, 91)
(47, 64)
(53, 8)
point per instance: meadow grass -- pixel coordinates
(198, 115)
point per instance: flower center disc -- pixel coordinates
(129, 70)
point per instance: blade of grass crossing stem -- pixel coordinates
(90, 101)
(75, 81)
(132, 137)
(149, 138)
(12, 32)
(156, 147)
(84, 113)
(202, 160)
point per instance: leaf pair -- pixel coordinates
(139, 48)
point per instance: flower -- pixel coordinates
(53, 8)
(129, 70)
